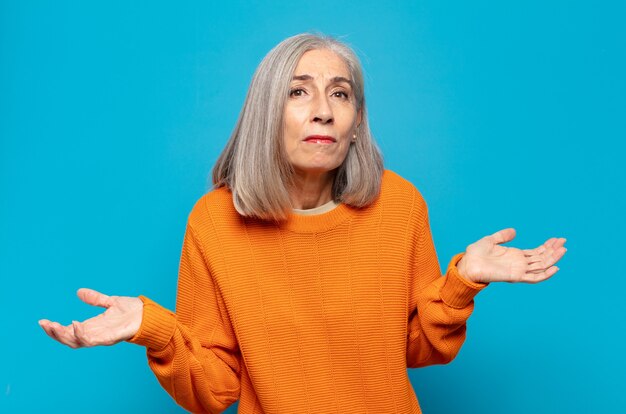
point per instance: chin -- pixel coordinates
(315, 168)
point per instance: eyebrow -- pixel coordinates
(336, 79)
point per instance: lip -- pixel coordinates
(320, 139)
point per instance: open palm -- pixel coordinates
(119, 322)
(487, 261)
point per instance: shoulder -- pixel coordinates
(216, 206)
(395, 187)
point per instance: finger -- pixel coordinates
(45, 325)
(546, 260)
(534, 252)
(540, 249)
(550, 242)
(551, 271)
(63, 334)
(49, 328)
(79, 334)
(557, 255)
(535, 259)
(502, 236)
(541, 276)
(93, 297)
(552, 255)
(535, 267)
(555, 243)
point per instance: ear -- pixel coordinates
(359, 117)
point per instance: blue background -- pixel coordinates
(502, 114)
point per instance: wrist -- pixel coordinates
(136, 317)
(465, 271)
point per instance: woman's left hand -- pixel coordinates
(486, 261)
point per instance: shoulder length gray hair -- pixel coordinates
(253, 165)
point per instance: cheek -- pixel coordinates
(345, 149)
(295, 113)
(348, 122)
(292, 125)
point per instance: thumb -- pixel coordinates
(502, 236)
(93, 297)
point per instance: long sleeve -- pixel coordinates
(194, 353)
(439, 306)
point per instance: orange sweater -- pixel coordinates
(318, 314)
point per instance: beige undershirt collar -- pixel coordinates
(324, 208)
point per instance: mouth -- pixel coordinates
(320, 139)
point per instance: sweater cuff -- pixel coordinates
(458, 292)
(157, 326)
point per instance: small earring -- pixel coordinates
(354, 138)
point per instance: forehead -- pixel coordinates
(322, 62)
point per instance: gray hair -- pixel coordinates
(253, 165)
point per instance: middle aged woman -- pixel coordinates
(308, 279)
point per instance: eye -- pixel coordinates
(340, 94)
(296, 92)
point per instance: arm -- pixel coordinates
(193, 353)
(439, 306)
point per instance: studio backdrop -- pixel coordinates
(503, 114)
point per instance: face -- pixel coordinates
(320, 114)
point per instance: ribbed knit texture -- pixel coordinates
(318, 314)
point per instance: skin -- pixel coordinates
(487, 261)
(320, 104)
(119, 322)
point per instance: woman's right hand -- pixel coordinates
(120, 321)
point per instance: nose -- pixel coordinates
(322, 112)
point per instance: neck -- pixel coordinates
(311, 190)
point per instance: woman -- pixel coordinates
(308, 278)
